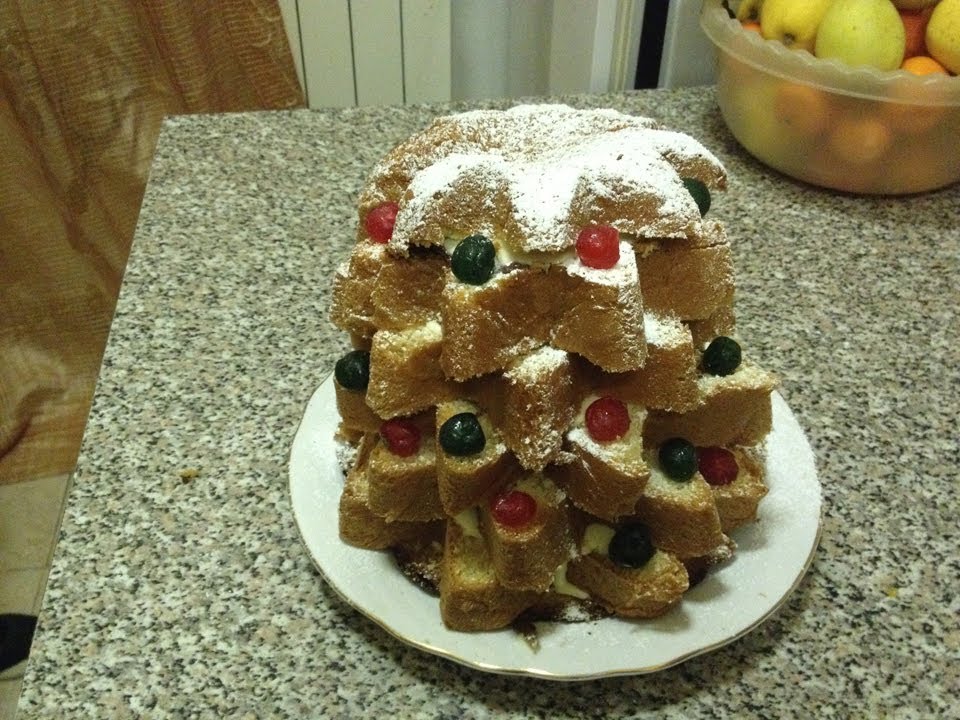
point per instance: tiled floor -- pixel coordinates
(29, 519)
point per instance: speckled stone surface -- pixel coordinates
(196, 599)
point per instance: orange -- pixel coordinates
(905, 110)
(751, 25)
(923, 65)
(803, 109)
(860, 140)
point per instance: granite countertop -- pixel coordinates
(175, 595)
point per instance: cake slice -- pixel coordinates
(646, 592)
(605, 477)
(354, 411)
(735, 476)
(601, 314)
(408, 291)
(539, 402)
(351, 308)
(681, 514)
(470, 472)
(489, 327)
(471, 598)
(405, 374)
(691, 282)
(527, 530)
(668, 379)
(404, 486)
(362, 527)
(731, 410)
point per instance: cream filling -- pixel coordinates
(469, 522)
(596, 539)
(564, 586)
(505, 255)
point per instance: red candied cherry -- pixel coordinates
(380, 221)
(607, 419)
(598, 246)
(401, 436)
(717, 465)
(513, 509)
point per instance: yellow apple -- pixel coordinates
(943, 35)
(791, 22)
(862, 32)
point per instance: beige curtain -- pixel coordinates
(84, 86)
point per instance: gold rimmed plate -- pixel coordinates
(772, 556)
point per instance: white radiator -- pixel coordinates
(393, 52)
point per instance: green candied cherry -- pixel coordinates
(678, 459)
(631, 546)
(352, 371)
(700, 193)
(472, 260)
(722, 356)
(462, 435)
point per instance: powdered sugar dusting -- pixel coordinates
(747, 377)
(537, 364)
(679, 147)
(623, 274)
(664, 332)
(346, 454)
(549, 164)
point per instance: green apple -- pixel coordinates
(791, 22)
(862, 32)
(943, 35)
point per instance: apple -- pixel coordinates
(792, 23)
(862, 32)
(915, 25)
(943, 35)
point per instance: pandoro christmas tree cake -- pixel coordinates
(545, 414)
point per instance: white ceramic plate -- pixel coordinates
(772, 556)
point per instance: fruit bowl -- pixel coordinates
(858, 129)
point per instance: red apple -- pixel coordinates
(915, 23)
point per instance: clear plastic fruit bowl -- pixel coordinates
(858, 130)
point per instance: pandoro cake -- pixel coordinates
(551, 414)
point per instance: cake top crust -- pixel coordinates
(530, 177)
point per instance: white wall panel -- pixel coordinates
(377, 51)
(405, 51)
(426, 50)
(528, 48)
(327, 52)
(626, 44)
(581, 45)
(688, 57)
(480, 32)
